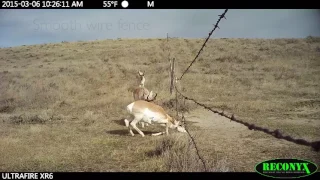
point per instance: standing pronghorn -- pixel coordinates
(143, 111)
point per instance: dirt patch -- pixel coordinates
(244, 148)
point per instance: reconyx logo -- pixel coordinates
(286, 168)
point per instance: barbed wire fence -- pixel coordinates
(173, 85)
(206, 40)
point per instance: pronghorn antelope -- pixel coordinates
(143, 111)
(142, 93)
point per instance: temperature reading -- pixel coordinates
(110, 3)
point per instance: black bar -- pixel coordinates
(151, 175)
(162, 4)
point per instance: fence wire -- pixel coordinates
(195, 145)
(276, 133)
(206, 40)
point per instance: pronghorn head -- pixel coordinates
(151, 97)
(141, 78)
(141, 73)
(176, 125)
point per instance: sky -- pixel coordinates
(39, 26)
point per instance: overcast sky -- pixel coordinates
(25, 27)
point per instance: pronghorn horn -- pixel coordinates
(151, 92)
(155, 96)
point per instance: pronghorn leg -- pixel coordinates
(133, 124)
(143, 124)
(127, 122)
(157, 134)
(167, 129)
(160, 133)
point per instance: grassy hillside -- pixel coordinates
(62, 105)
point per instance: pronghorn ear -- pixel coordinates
(140, 73)
(150, 95)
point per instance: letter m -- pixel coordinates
(151, 4)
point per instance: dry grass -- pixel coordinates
(179, 155)
(62, 105)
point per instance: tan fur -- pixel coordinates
(140, 93)
(140, 104)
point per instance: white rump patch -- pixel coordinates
(129, 107)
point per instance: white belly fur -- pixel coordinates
(152, 117)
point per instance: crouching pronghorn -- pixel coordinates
(143, 111)
(142, 93)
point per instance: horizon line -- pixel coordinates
(159, 38)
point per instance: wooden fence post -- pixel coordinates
(172, 75)
(175, 87)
